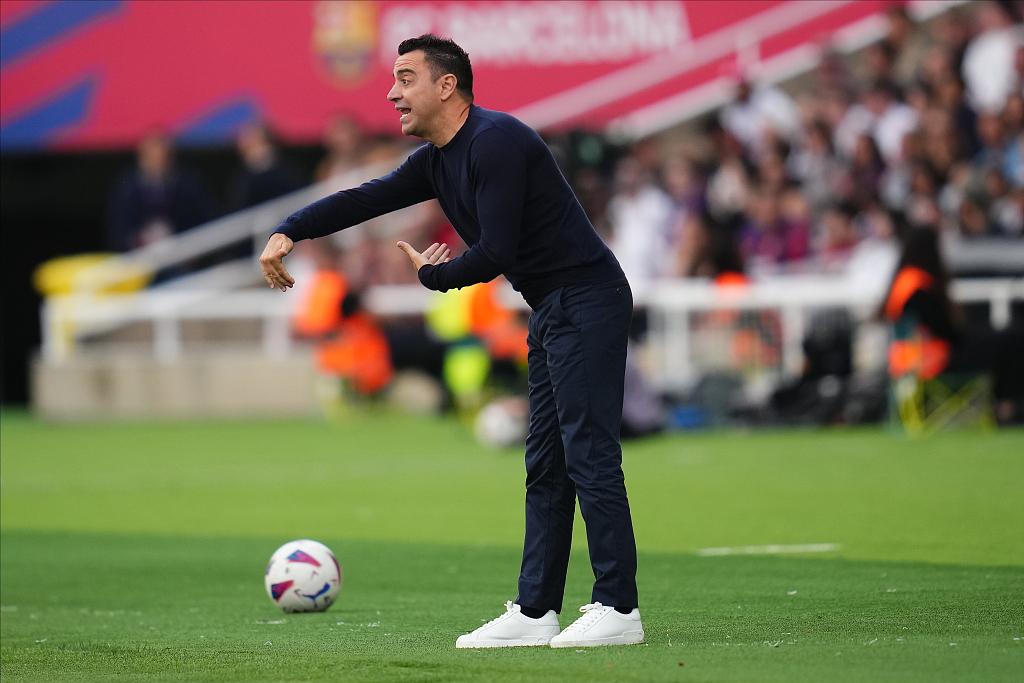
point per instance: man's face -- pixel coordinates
(415, 95)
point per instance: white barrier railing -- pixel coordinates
(671, 305)
(67, 320)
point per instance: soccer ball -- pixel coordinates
(303, 576)
(503, 422)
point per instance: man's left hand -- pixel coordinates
(432, 255)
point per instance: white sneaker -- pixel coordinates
(512, 629)
(601, 625)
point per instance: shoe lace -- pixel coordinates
(591, 613)
(508, 611)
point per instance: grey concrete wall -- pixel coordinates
(125, 384)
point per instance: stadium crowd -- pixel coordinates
(924, 129)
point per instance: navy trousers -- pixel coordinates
(577, 363)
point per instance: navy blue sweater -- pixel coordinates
(499, 186)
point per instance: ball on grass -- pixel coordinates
(303, 576)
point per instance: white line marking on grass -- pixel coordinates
(770, 549)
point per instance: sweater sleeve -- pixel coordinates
(497, 169)
(406, 185)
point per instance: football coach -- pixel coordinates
(498, 184)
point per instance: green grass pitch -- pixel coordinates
(136, 552)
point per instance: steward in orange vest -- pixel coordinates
(918, 307)
(350, 344)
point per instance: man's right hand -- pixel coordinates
(273, 264)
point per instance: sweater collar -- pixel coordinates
(453, 143)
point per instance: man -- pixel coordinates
(499, 186)
(157, 198)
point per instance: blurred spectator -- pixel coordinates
(771, 172)
(990, 61)
(265, 175)
(866, 168)
(724, 258)
(878, 62)
(848, 121)
(693, 252)
(908, 43)
(831, 74)
(729, 183)
(839, 237)
(939, 144)
(683, 184)
(999, 152)
(759, 114)
(1013, 112)
(640, 214)
(1005, 211)
(1013, 155)
(593, 194)
(385, 148)
(814, 165)
(156, 198)
(949, 95)
(973, 218)
(882, 116)
(344, 143)
(892, 119)
(769, 240)
(922, 210)
(951, 32)
(992, 137)
(686, 191)
(918, 95)
(937, 66)
(649, 154)
(952, 194)
(894, 185)
(873, 260)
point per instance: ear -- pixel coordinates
(446, 86)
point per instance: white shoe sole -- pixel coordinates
(627, 638)
(528, 641)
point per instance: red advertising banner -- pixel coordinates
(88, 74)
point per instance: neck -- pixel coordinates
(452, 120)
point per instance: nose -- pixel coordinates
(393, 93)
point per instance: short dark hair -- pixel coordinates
(443, 56)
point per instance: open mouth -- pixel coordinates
(403, 112)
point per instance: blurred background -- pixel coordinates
(819, 205)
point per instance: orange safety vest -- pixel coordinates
(320, 312)
(917, 352)
(353, 347)
(730, 278)
(360, 352)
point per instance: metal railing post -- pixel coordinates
(167, 338)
